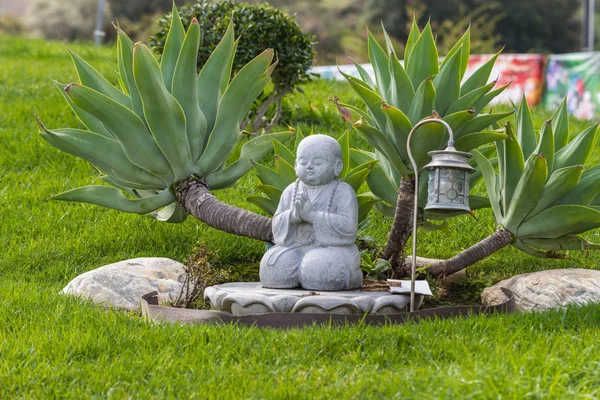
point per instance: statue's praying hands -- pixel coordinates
(302, 207)
(314, 227)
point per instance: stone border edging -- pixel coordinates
(153, 312)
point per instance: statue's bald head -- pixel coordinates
(322, 144)
(319, 160)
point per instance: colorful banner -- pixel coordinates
(524, 72)
(576, 76)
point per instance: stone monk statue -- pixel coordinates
(314, 227)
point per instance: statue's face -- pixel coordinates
(316, 164)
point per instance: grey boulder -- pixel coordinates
(122, 284)
(545, 290)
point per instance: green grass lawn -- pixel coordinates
(53, 346)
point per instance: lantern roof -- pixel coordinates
(449, 158)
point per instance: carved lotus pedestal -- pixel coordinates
(250, 298)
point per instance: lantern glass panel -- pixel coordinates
(447, 189)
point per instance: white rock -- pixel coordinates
(545, 290)
(122, 284)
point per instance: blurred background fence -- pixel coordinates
(541, 38)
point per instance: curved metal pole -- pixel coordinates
(416, 205)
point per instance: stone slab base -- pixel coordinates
(248, 298)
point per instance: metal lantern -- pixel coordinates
(448, 188)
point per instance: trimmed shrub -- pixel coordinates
(260, 26)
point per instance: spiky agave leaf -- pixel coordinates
(544, 207)
(167, 122)
(413, 92)
(403, 95)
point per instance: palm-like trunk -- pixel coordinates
(497, 240)
(401, 227)
(195, 197)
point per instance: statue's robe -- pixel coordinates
(320, 255)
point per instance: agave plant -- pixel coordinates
(541, 196)
(273, 182)
(166, 135)
(398, 98)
